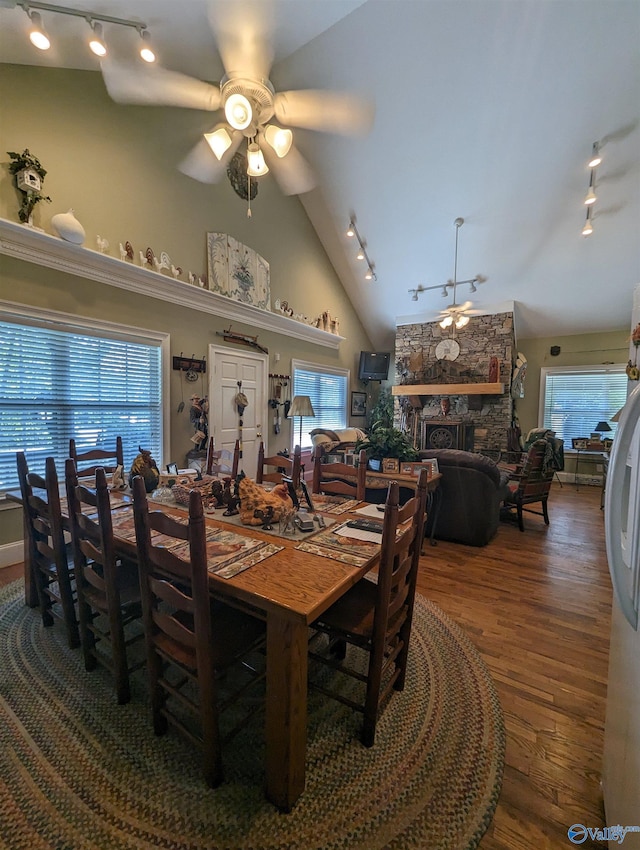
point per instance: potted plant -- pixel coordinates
(386, 441)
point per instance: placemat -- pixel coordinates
(328, 544)
(333, 504)
(227, 553)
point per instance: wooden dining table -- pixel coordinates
(289, 589)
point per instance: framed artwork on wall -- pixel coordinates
(358, 404)
(237, 271)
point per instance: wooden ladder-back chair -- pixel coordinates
(108, 587)
(274, 467)
(531, 483)
(189, 640)
(376, 617)
(340, 479)
(47, 552)
(96, 457)
(222, 462)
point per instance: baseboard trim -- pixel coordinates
(11, 553)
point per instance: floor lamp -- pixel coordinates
(301, 406)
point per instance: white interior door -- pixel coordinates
(232, 371)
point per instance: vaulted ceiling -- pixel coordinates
(484, 109)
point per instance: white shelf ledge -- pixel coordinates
(34, 246)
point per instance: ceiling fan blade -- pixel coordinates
(329, 112)
(201, 163)
(156, 86)
(292, 172)
(243, 32)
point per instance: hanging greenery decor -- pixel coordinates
(22, 164)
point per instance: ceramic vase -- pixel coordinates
(67, 226)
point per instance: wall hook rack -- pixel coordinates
(189, 364)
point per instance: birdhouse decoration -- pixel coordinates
(29, 175)
(28, 180)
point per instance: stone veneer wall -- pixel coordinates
(484, 337)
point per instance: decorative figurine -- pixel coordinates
(145, 466)
(103, 246)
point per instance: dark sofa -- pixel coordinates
(472, 489)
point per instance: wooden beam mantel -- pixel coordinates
(448, 389)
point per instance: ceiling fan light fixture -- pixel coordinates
(96, 43)
(219, 141)
(446, 322)
(238, 111)
(256, 166)
(37, 33)
(462, 321)
(279, 139)
(146, 53)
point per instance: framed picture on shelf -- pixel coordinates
(579, 443)
(390, 464)
(358, 404)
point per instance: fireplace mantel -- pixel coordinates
(447, 389)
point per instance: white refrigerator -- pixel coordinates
(621, 761)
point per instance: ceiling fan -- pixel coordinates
(252, 111)
(454, 314)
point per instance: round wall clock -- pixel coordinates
(447, 349)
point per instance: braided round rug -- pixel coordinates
(79, 772)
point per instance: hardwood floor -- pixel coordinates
(537, 606)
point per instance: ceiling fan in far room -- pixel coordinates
(252, 111)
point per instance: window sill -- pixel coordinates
(33, 246)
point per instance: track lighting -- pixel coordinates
(596, 158)
(591, 195)
(37, 33)
(40, 39)
(146, 52)
(96, 42)
(587, 230)
(352, 231)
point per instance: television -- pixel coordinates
(374, 365)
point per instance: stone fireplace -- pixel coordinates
(460, 403)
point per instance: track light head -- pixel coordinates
(596, 158)
(37, 33)
(146, 53)
(96, 43)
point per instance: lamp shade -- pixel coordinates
(602, 427)
(301, 406)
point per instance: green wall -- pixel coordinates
(116, 167)
(576, 350)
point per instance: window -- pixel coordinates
(327, 389)
(62, 378)
(573, 400)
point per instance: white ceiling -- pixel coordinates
(485, 109)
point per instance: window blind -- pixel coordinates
(328, 393)
(58, 383)
(576, 400)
